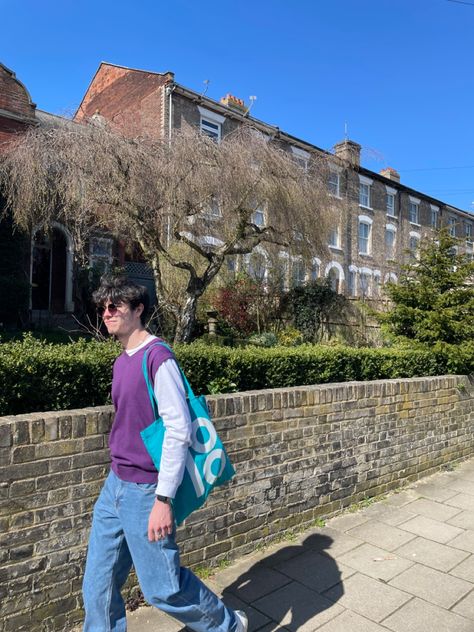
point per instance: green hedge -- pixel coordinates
(38, 376)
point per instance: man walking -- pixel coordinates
(133, 518)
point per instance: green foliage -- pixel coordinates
(310, 306)
(36, 375)
(265, 339)
(257, 368)
(290, 337)
(221, 385)
(433, 302)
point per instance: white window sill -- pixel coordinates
(336, 197)
(415, 224)
(365, 254)
(369, 208)
(392, 216)
(336, 248)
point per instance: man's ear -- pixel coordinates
(139, 309)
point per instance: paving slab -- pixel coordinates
(460, 484)
(439, 556)
(368, 597)
(465, 570)
(400, 499)
(463, 501)
(465, 541)
(431, 529)
(432, 509)
(466, 607)
(375, 562)
(253, 583)
(351, 622)
(434, 586)
(381, 534)
(465, 473)
(420, 616)
(330, 540)
(298, 608)
(394, 516)
(148, 618)
(315, 570)
(347, 521)
(435, 492)
(464, 519)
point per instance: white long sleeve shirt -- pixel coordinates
(173, 409)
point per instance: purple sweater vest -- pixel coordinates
(133, 412)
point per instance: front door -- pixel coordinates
(48, 275)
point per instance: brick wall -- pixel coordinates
(132, 100)
(299, 453)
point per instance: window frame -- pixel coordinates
(365, 182)
(211, 120)
(434, 217)
(414, 205)
(364, 220)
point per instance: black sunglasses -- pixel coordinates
(112, 307)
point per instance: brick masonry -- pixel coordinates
(300, 453)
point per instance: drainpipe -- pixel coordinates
(169, 91)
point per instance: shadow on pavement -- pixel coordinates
(287, 585)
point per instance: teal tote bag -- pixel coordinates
(207, 463)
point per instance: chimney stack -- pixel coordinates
(234, 103)
(349, 151)
(391, 174)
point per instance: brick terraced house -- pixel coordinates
(379, 223)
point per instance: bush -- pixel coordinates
(38, 376)
(265, 339)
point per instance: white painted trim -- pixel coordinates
(365, 219)
(353, 268)
(209, 240)
(337, 265)
(434, 208)
(391, 190)
(68, 302)
(377, 273)
(212, 116)
(414, 233)
(390, 276)
(367, 271)
(413, 199)
(391, 227)
(301, 153)
(365, 180)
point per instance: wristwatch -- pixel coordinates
(162, 499)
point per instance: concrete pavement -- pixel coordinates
(404, 564)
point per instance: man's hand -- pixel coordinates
(160, 522)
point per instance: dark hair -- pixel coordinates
(119, 289)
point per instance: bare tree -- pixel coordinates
(188, 204)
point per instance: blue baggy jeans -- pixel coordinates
(118, 539)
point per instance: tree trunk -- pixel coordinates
(186, 320)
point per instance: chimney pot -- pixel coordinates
(234, 103)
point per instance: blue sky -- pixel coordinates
(398, 72)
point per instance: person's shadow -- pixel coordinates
(287, 586)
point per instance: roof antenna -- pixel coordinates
(346, 134)
(252, 98)
(206, 82)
